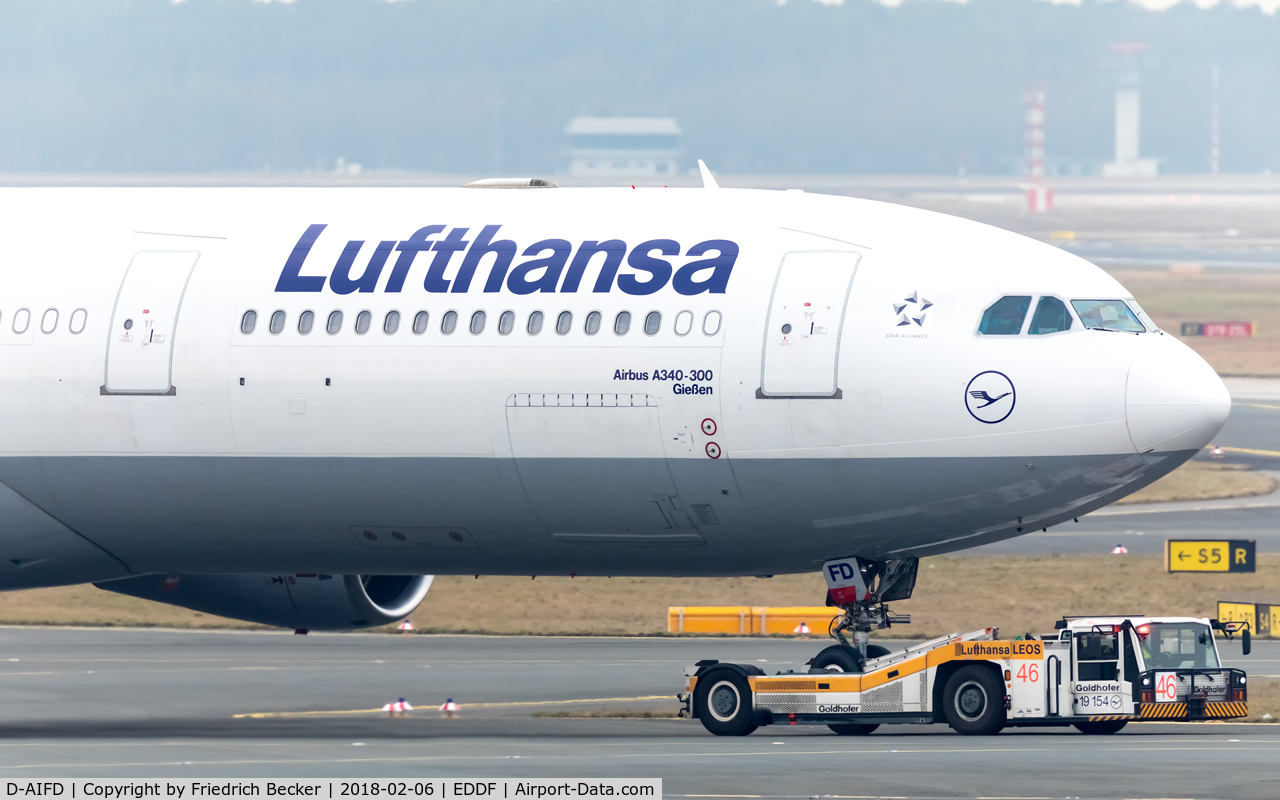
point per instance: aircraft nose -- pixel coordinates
(1174, 400)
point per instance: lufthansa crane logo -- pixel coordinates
(990, 397)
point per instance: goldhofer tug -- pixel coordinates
(1096, 673)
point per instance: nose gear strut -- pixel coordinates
(863, 588)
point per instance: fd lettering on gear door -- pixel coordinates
(143, 322)
(802, 333)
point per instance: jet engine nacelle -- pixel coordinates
(309, 602)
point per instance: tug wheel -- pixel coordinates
(973, 701)
(722, 700)
(1102, 728)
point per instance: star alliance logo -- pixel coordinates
(911, 310)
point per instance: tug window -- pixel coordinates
(305, 320)
(506, 322)
(247, 323)
(1051, 317)
(277, 322)
(420, 323)
(622, 323)
(1097, 656)
(1005, 316)
(535, 324)
(1107, 315)
(391, 323)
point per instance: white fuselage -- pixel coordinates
(878, 422)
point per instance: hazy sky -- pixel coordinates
(487, 86)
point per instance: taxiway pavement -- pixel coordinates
(154, 703)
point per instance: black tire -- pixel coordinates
(837, 658)
(973, 701)
(853, 729)
(1102, 728)
(722, 700)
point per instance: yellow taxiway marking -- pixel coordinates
(461, 706)
(1253, 452)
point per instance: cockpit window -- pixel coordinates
(1051, 317)
(1107, 315)
(1005, 316)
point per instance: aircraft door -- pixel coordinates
(802, 331)
(143, 322)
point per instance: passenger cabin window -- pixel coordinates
(23, 318)
(391, 323)
(711, 323)
(277, 322)
(506, 322)
(1097, 656)
(1051, 317)
(1107, 315)
(564, 322)
(49, 321)
(247, 323)
(448, 322)
(334, 324)
(622, 323)
(1005, 316)
(477, 323)
(306, 320)
(593, 324)
(652, 322)
(78, 318)
(420, 323)
(684, 323)
(534, 327)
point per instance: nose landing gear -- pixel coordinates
(863, 589)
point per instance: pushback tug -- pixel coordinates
(1096, 673)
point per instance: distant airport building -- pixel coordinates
(623, 146)
(1128, 163)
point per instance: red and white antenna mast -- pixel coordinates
(1213, 126)
(1039, 197)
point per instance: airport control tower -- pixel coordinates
(1128, 164)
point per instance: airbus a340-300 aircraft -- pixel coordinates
(294, 405)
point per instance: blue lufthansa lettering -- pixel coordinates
(613, 250)
(552, 265)
(659, 270)
(503, 251)
(342, 283)
(541, 274)
(721, 266)
(409, 250)
(291, 279)
(444, 250)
